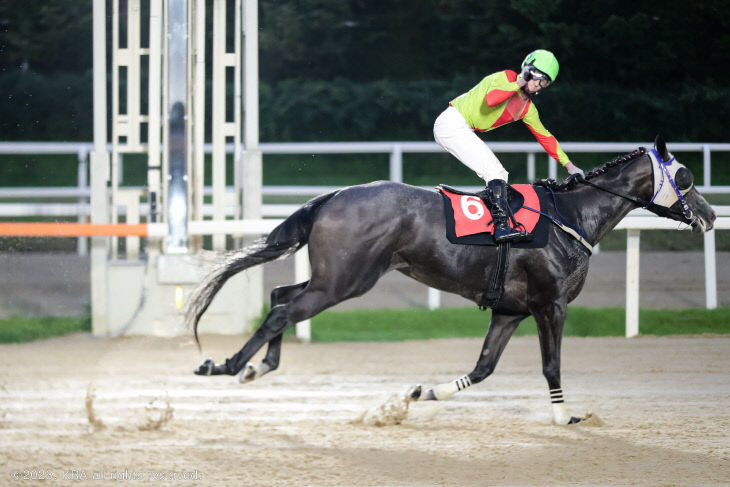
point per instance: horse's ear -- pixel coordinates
(661, 147)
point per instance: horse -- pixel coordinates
(358, 233)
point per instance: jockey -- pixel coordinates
(498, 99)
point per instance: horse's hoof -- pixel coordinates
(206, 368)
(429, 396)
(414, 393)
(247, 374)
(574, 420)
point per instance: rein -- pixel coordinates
(650, 205)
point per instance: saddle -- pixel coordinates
(469, 221)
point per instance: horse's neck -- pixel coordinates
(597, 212)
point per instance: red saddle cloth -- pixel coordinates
(471, 215)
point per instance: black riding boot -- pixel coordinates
(497, 194)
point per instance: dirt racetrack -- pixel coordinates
(662, 407)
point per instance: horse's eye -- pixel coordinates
(683, 178)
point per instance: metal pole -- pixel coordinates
(177, 79)
(632, 282)
(99, 176)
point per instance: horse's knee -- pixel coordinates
(275, 323)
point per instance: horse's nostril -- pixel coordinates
(713, 217)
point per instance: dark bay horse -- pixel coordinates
(359, 233)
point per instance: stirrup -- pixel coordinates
(513, 235)
(519, 229)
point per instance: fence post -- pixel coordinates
(434, 298)
(552, 168)
(302, 273)
(530, 167)
(82, 247)
(706, 166)
(632, 282)
(396, 163)
(710, 271)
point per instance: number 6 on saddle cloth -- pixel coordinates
(469, 222)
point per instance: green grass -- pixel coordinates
(17, 330)
(419, 324)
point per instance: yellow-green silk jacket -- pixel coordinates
(496, 101)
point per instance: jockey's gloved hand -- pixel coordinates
(575, 170)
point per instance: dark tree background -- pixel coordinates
(364, 70)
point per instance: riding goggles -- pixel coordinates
(531, 73)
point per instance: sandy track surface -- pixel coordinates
(663, 406)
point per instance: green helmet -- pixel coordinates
(544, 61)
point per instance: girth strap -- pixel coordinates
(495, 287)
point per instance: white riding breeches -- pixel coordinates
(453, 134)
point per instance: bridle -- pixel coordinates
(664, 169)
(657, 162)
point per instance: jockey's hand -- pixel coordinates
(575, 170)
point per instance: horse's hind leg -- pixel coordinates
(279, 295)
(304, 305)
(500, 330)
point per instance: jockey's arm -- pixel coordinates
(502, 88)
(545, 138)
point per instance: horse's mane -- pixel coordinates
(570, 183)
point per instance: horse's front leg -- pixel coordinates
(501, 328)
(550, 321)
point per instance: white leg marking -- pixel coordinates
(251, 372)
(443, 391)
(560, 414)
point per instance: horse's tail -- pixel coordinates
(288, 237)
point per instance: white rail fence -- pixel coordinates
(634, 223)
